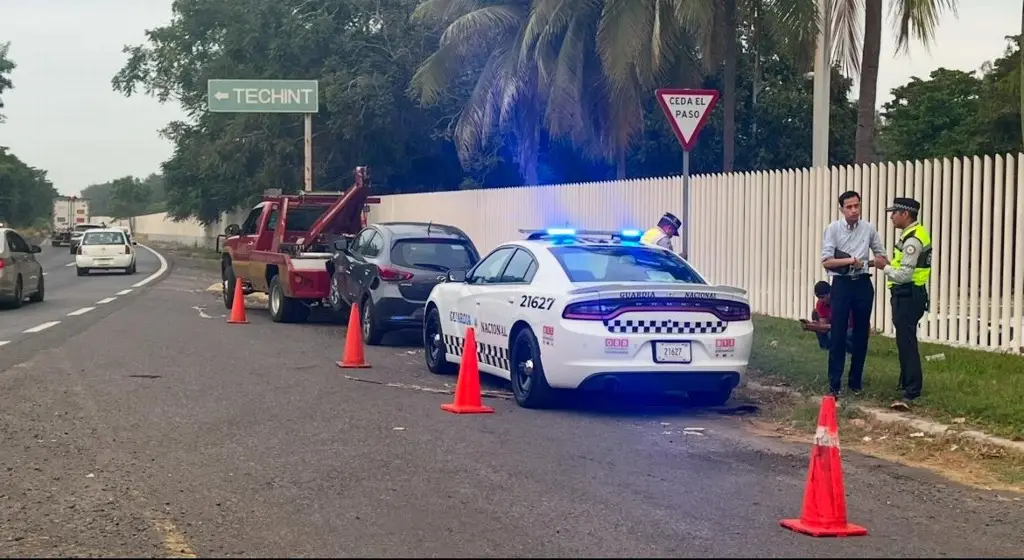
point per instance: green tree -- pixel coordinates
(6, 67)
(363, 54)
(912, 19)
(26, 195)
(129, 197)
(99, 198)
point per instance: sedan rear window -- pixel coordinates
(433, 254)
(621, 263)
(103, 238)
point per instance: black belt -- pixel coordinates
(851, 277)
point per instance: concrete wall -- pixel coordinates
(159, 227)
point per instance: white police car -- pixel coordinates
(567, 309)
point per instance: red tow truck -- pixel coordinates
(285, 247)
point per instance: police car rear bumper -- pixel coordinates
(656, 381)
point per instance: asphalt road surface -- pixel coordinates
(72, 303)
(160, 430)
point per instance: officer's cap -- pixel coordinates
(671, 219)
(900, 203)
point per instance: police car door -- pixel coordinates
(483, 279)
(500, 304)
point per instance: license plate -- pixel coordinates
(672, 352)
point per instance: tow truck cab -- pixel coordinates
(285, 245)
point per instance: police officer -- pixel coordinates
(907, 279)
(662, 234)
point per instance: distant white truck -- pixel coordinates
(68, 211)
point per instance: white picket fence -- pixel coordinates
(762, 231)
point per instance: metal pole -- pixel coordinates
(686, 205)
(822, 87)
(308, 149)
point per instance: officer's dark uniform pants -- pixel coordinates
(909, 303)
(850, 295)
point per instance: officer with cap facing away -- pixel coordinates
(907, 279)
(662, 234)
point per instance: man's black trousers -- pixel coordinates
(908, 306)
(851, 295)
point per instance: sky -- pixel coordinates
(63, 116)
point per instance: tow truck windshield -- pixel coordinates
(299, 218)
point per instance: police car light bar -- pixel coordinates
(549, 233)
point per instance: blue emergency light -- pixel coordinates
(630, 234)
(561, 232)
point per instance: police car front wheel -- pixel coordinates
(434, 347)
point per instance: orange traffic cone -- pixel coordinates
(238, 306)
(824, 508)
(353, 356)
(468, 399)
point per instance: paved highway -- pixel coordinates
(161, 430)
(72, 303)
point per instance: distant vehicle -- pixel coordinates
(76, 235)
(390, 269)
(591, 310)
(283, 247)
(21, 275)
(68, 211)
(105, 249)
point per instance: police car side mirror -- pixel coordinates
(456, 275)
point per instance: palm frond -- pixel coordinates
(918, 19)
(491, 24)
(847, 34)
(443, 11)
(621, 34)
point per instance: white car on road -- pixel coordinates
(107, 248)
(591, 310)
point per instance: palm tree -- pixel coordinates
(914, 19)
(484, 39)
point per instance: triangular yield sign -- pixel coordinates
(688, 111)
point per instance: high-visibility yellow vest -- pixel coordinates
(652, 236)
(923, 270)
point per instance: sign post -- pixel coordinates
(687, 111)
(271, 96)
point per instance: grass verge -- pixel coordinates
(984, 388)
(958, 459)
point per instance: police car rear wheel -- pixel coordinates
(433, 345)
(529, 385)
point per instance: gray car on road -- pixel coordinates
(21, 275)
(389, 269)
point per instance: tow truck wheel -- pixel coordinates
(284, 309)
(434, 346)
(529, 385)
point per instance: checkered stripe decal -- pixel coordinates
(634, 326)
(489, 354)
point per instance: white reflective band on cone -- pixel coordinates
(824, 438)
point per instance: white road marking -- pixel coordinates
(70, 264)
(4, 342)
(41, 327)
(105, 300)
(81, 311)
(155, 275)
(124, 292)
(45, 273)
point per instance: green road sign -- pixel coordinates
(263, 96)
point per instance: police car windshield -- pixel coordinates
(621, 263)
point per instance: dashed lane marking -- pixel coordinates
(155, 275)
(124, 292)
(105, 300)
(41, 327)
(70, 264)
(81, 311)
(4, 342)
